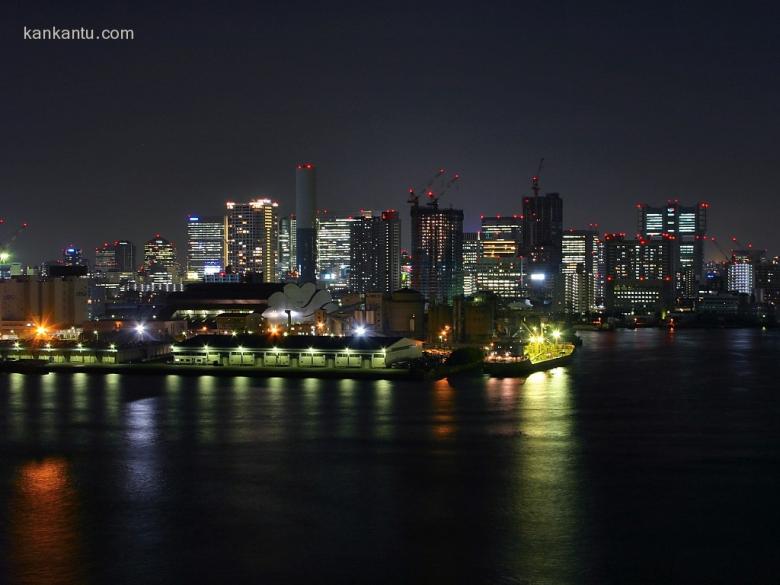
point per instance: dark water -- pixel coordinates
(655, 458)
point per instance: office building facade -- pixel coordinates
(375, 253)
(686, 227)
(579, 268)
(251, 237)
(205, 246)
(437, 252)
(333, 250)
(639, 274)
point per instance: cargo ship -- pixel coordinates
(542, 351)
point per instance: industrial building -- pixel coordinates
(78, 353)
(58, 302)
(314, 352)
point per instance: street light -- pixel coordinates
(360, 331)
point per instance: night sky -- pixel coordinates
(627, 102)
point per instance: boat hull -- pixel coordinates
(524, 368)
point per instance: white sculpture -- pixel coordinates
(301, 301)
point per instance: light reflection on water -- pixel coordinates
(545, 479)
(44, 534)
(473, 480)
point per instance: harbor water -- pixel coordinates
(654, 457)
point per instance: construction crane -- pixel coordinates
(4, 246)
(414, 198)
(535, 179)
(714, 240)
(740, 244)
(433, 198)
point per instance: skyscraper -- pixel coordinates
(687, 227)
(160, 264)
(333, 250)
(116, 256)
(579, 265)
(741, 274)
(72, 256)
(542, 242)
(639, 273)
(251, 237)
(105, 258)
(375, 253)
(542, 231)
(306, 228)
(501, 235)
(287, 263)
(205, 245)
(503, 276)
(472, 252)
(437, 252)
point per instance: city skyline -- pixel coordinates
(148, 124)
(178, 234)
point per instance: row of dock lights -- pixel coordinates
(79, 346)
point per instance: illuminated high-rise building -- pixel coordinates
(767, 275)
(472, 252)
(542, 243)
(406, 268)
(306, 227)
(251, 237)
(72, 256)
(686, 226)
(542, 230)
(205, 245)
(742, 271)
(579, 266)
(105, 258)
(333, 252)
(375, 253)
(639, 273)
(501, 235)
(287, 265)
(116, 256)
(502, 276)
(160, 266)
(437, 252)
